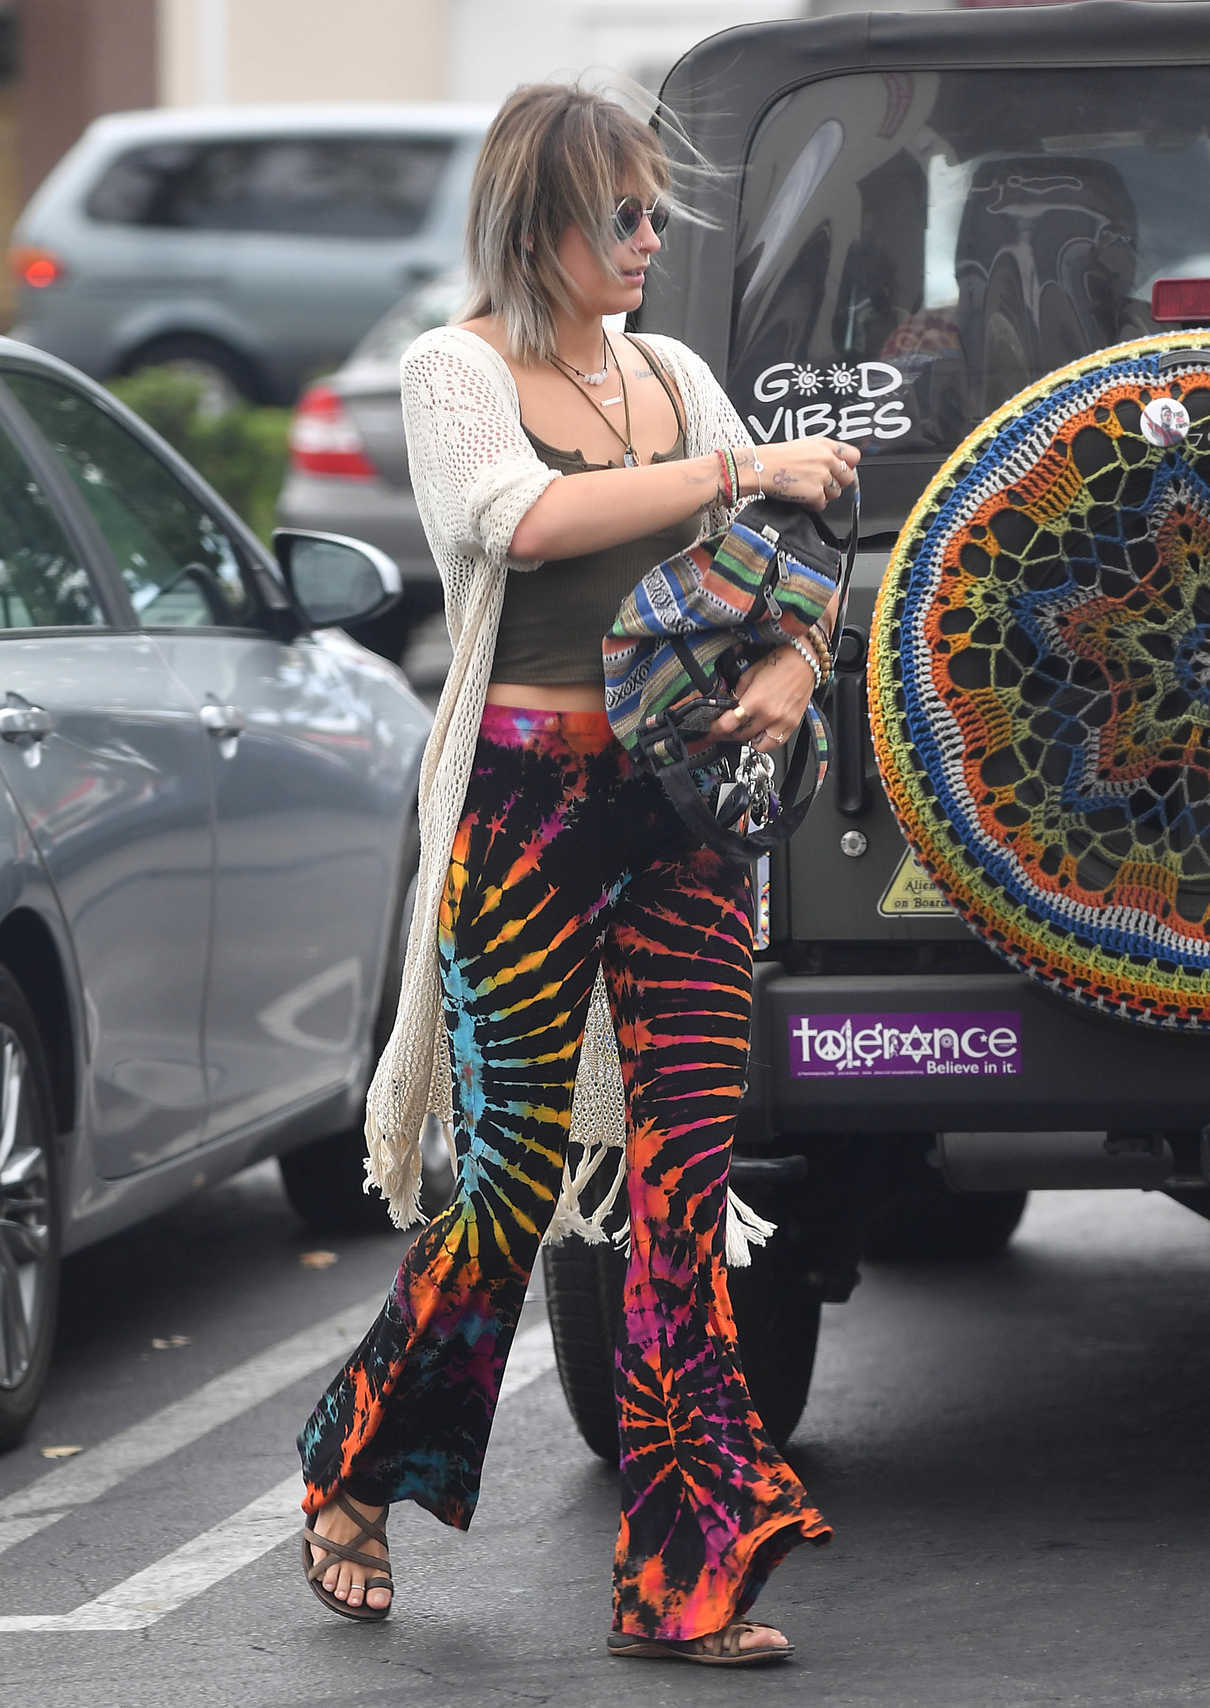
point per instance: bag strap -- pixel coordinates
(674, 772)
(849, 548)
(691, 665)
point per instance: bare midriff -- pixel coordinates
(558, 697)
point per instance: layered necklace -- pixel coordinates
(576, 378)
(602, 373)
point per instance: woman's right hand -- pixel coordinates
(810, 471)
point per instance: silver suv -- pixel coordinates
(253, 244)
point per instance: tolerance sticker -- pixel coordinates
(869, 1046)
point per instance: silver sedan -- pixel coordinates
(207, 836)
(348, 466)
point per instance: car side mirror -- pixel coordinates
(336, 580)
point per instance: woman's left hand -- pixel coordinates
(773, 695)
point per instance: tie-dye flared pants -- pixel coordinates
(566, 859)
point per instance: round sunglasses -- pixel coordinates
(629, 213)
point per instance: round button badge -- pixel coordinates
(1165, 421)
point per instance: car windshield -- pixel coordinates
(914, 247)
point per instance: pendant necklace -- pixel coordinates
(602, 373)
(629, 458)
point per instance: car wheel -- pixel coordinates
(324, 1182)
(927, 1223)
(583, 1298)
(776, 1317)
(29, 1216)
(226, 379)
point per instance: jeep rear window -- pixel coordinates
(914, 247)
(376, 187)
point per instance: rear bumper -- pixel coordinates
(976, 1052)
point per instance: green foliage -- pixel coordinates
(241, 451)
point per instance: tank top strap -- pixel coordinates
(657, 368)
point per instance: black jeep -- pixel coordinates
(915, 217)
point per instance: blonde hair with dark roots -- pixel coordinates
(555, 155)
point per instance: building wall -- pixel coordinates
(302, 50)
(495, 46)
(78, 58)
(72, 60)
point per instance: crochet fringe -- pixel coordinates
(744, 1230)
(396, 1173)
(393, 1170)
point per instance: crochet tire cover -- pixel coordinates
(1039, 680)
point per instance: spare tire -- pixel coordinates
(1038, 681)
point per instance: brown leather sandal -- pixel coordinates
(372, 1530)
(720, 1648)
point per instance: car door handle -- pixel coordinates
(31, 721)
(222, 721)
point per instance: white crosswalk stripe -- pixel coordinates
(101, 1468)
(179, 1576)
(237, 1541)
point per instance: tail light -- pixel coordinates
(1181, 299)
(324, 439)
(34, 266)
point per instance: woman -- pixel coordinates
(553, 465)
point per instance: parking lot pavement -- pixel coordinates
(1013, 1457)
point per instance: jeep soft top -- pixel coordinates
(911, 218)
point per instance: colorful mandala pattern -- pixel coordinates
(1040, 683)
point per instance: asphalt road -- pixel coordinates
(1015, 1458)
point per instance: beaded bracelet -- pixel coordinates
(815, 638)
(807, 654)
(817, 654)
(823, 644)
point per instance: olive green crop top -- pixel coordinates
(555, 616)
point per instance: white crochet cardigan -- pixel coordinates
(475, 474)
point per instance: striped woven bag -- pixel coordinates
(685, 634)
